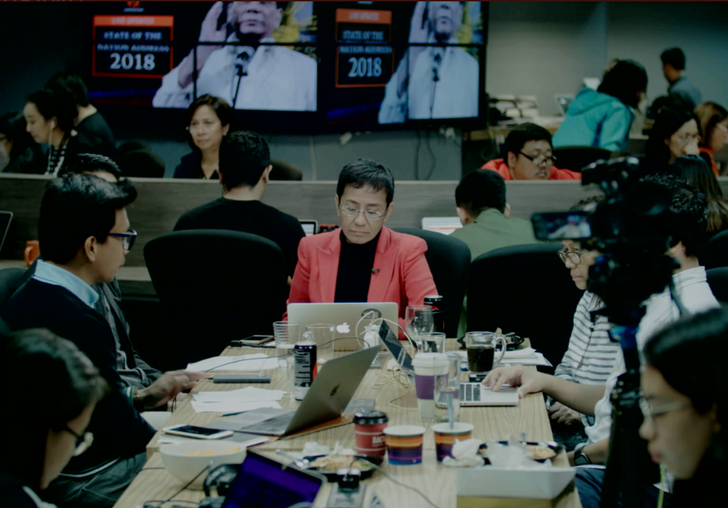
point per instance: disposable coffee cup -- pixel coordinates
(445, 437)
(404, 444)
(369, 431)
(429, 368)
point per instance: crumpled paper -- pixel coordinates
(465, 453)
(312, 448)
(513, 455)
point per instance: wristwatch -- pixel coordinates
(581, 458)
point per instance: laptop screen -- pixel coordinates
(310, 227)
(5, 218)
(265, 482)
(395, 347)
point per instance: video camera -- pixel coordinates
(630, 227)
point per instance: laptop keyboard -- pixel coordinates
(276, 424)
(470, 392)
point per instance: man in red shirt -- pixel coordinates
(528, 155)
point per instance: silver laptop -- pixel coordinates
(330, 393)
(310, 227)
(344, 317)
(5, 219)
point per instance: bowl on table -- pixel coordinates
(193, 460)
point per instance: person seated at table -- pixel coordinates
(51, 410)
(684, 405)
(89, 120)
(604, 117)
(364, 261)
(696, 172)
(209, 119)
(528, 155)
(49, 115)
(714, 126)
(244, 174)
(18, 152)
(591, 354)
(84, 236)
(687, 233)
(675, 133)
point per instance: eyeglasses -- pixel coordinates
(83, 441)
(354, 212)
(574, 257)
(127, 239)
(651, 413)
(540, 159)
(688, 138)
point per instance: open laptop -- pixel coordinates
(5, 220)
(344, 316)
(328, 396)
(310, 227)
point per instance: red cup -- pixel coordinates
(369, 430)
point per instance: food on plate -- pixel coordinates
(335, 462)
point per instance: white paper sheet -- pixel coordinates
(249, 394)
(245, 363)
(535, 359)
(232, 406)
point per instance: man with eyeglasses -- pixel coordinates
(84, 236)
(528, 155)
(244, 167)
(364, 261)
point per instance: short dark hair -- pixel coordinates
(90, 163)
(696, 172)
(623, 81)
(65, 380)
(71, 82)
(690, 206)
(480, 190)
(366, 172)
(76, 207)
(668, 121)
(58, 103)
(243, 157)
(521, 135)
(222, 109)
(674, 57)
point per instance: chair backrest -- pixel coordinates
(718, 282)
(216, 286)
(527, 290)
(283, 170)
(10, 280)
(575, 158)
(716, 251)
(449, 260)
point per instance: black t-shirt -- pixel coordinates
(99, 135)
(355, 270)
(248, 217)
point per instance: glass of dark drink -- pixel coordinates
(481, 348)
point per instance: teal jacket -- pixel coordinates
(596, 119)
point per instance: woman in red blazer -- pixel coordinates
(364, 260)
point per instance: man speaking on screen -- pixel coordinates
(433, 81)
(248, 75)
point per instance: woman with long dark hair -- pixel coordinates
(47, 413)
(18, 152)
(685, 405)
(694, 169)
(676, 132)
(209, 121)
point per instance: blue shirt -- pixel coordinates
(686, 91)
(56, 276)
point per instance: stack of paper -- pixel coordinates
(236, 401)
(244, 363)
(526, 356)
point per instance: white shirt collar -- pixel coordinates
(57, 276)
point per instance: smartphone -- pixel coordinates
(253, 340)
(197, 432)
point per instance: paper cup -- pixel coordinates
(445, 437)
(427, 367)
(404, 444)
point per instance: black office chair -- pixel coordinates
(716, 252)
(215, 286)
(527, 290)
(449, 260)
(718, 281)
(10, 280)
(283, 170)
(575, 158)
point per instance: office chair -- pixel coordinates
(449, 260)
(215, 286)
(10, 280)
(527, 290)
(575, 158)
(718, 282)
(283, 170)
(716, 251)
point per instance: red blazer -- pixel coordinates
(404, 276)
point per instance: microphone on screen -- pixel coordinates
(375, 271)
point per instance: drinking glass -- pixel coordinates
(419, 320)
(481, 350)
(323, 335)
(448, 388)
(432, 342)
(286, 335)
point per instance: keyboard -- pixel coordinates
(275, 426)
(476, 394)
(469, 393)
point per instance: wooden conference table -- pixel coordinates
(432, 479)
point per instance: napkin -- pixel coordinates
(465, 454)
